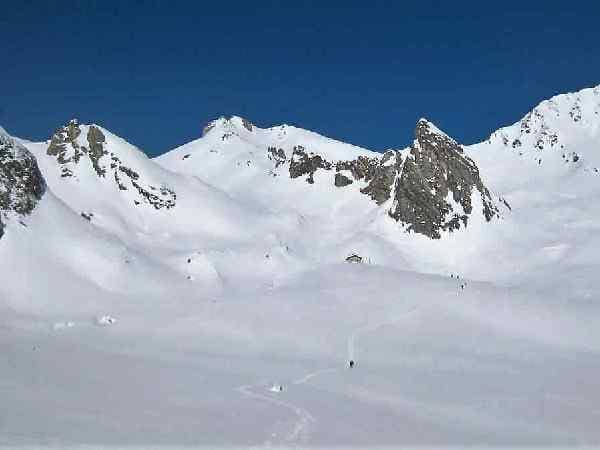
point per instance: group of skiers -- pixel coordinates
(463, 285)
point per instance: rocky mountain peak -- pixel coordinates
(431, 184)
(434, 191)
(77, 147)
(429, 136)
(69, 147)
(21, 182)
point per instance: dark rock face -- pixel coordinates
(303, 163)
(342, 180)
(21, 182)
(277, 155)
(362, 168)
(430, 185)
(96, 140)
(247, 124)
(435, 171)
(382, 177)
(67, 150)
(64, 146)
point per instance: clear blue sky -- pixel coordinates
(155, 72)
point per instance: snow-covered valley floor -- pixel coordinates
(435, 365)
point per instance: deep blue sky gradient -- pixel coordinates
(155, 72)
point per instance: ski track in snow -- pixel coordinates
(300, 433)
(311, 375)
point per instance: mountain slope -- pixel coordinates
(275, 164)
(148, 302)
(544, 166)
(559, 136)
(283, 199)
(98, 173)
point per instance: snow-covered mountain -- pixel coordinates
(223, 262)
(244, 192)
(427, 187)
(559, 135)
(241, 193)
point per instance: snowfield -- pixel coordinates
(229, 319)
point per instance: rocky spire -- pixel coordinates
(430, 184)
(435, 189)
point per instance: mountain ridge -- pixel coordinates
(307, 156)
(244, 192)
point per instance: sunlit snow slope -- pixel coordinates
(203, 297)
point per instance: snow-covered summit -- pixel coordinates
(92, 155)
(270, 166)
(560, 131)
(233, 124)
(228, 132)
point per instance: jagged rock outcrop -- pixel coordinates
(21, 182)
(342, 180)
(306, 163)
(381, 177)
(69, 151)
(362, 168)
(65, 147)
(96, 151)
(72, 149)
(435, 189)
(431, 184)
(277, 155)
(247, 124)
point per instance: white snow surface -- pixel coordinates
(242, 286)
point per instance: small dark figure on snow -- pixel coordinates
(351, 363)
